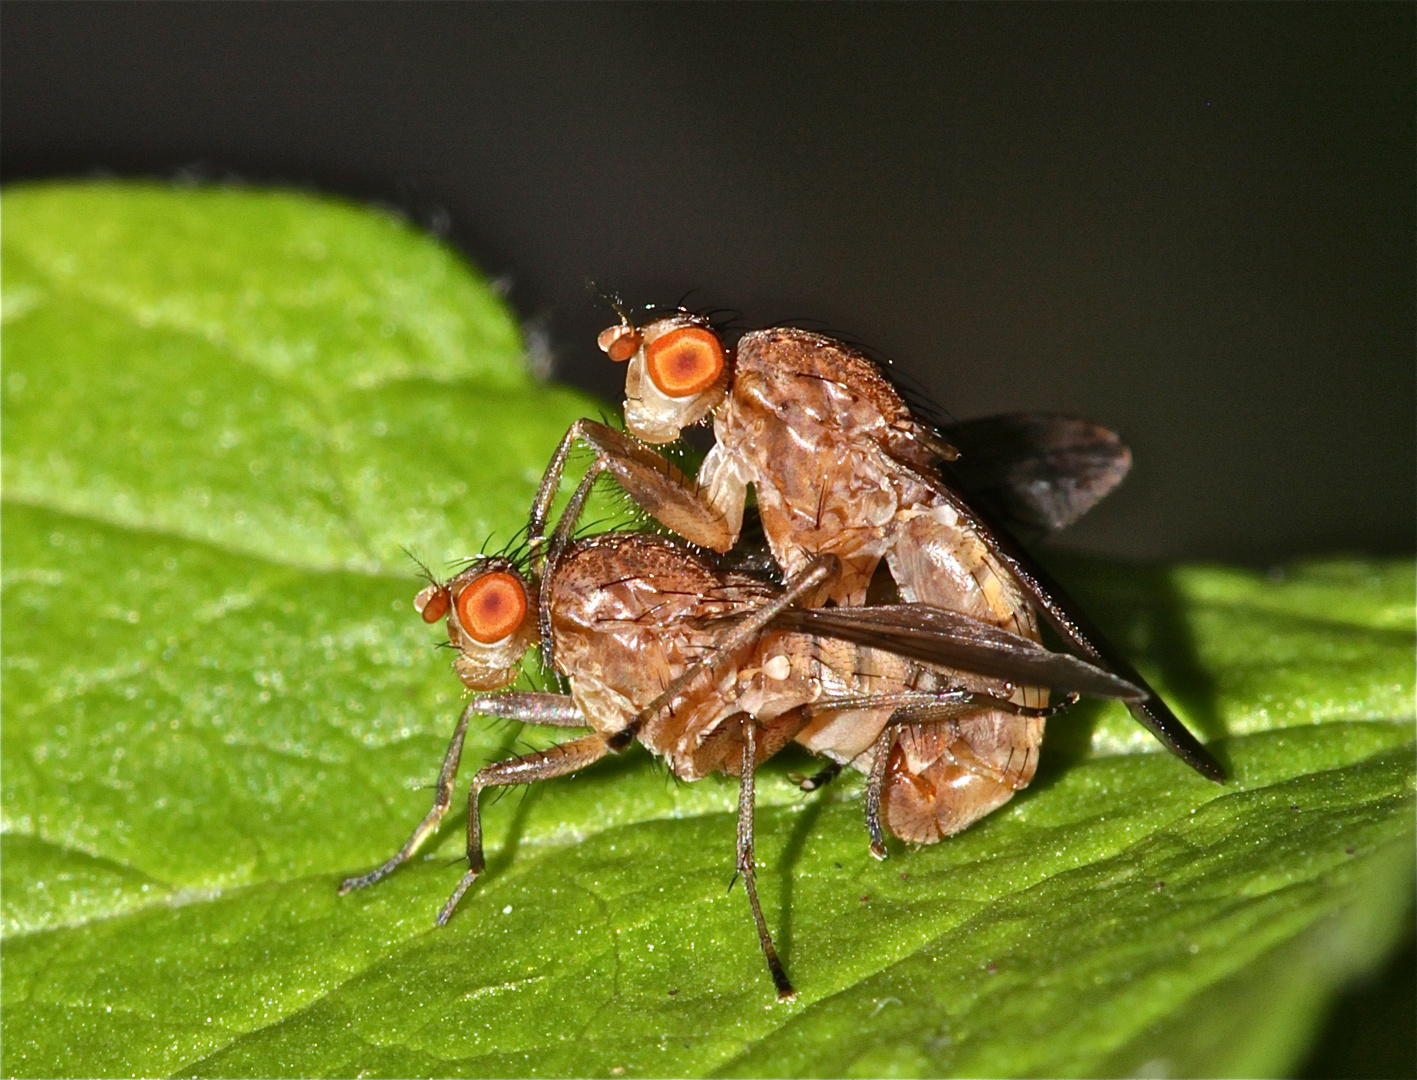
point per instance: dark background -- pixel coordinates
(1194, 223)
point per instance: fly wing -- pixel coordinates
(1150, 711)
(1036, 471)
(949, 639)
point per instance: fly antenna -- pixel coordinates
(423, 570)
(611, 299)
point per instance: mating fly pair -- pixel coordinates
(940, 700)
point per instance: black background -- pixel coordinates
(1194, 223)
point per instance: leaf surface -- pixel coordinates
(225, 412)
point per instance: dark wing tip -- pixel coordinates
(1154, 715)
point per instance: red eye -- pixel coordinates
(432, 603)
(685, 361)
(619, 342)
(492, 606)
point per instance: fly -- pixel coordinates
(840, 465)
(716, 670)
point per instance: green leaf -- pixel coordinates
(225, 411)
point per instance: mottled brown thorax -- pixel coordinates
(823, 432)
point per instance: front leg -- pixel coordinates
(528, 768)
(659, 488)
(442, 798)
(548, 710)
(557, 710)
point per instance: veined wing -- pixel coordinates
(1036, 471)
(949, 639)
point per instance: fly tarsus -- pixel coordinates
(560, 760)
(442, 799)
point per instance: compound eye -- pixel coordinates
(685, 361)
(619, 342)
(491, 607)
(432, 603)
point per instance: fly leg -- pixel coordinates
(967, 754)
(551, 555)
(925, 706)
(548, 710)
(553, 709)
(745, 860)
(551, 549)
(882, 749)
(545, 764)
(653, 482)
(659, 488)
(442, 798)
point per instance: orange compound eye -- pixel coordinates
(492, 607)
(432, 603)
(685, 361)
(619, 342)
